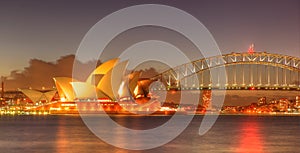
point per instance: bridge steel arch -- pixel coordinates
(174, 76)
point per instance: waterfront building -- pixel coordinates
(297, 103)
(262, 101)
(283, 104)
(98, 85)
(123, 94)
(39, 96)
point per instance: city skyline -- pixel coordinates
(149, 76)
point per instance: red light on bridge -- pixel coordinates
(251, 49)
(252, 88)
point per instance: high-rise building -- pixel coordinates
(262, 101)
(2, 87)
(297, 101)
(2, 99)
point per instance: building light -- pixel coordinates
(62, 99)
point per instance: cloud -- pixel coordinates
(149, 72)
(39, 73)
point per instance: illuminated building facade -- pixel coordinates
(100, 93)
(262, 101)
(297, 101)
(37, 96)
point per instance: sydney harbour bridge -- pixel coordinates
(239, 71)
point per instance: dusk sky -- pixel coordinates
(47, 30)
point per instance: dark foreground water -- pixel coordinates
(63, 134)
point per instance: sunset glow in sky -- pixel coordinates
(47, 30)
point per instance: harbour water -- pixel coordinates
(231, 133)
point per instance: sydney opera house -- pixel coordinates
(106, 89)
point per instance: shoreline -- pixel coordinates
(153, 114)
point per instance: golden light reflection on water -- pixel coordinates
(61, 141)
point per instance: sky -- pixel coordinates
(48, 30)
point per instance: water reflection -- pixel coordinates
(251, 139)
(61, 142)
(239, 134)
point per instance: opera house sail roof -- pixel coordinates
(37, 96)
(112, 81)
(102, 70)
(84, 90)
(64, 88)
